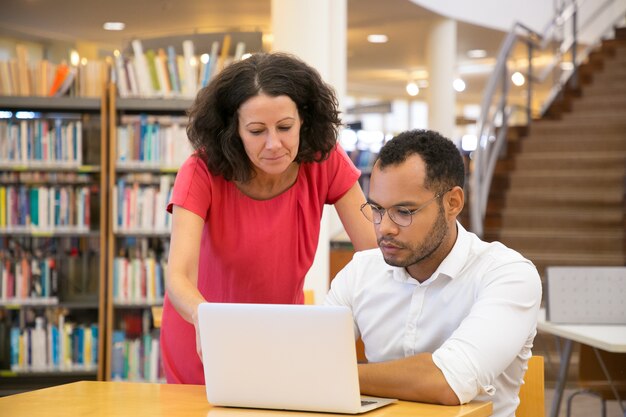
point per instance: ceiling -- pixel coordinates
(374, 70)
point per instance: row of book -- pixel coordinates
(141, 208)
(159, 141)
(21, 76)
(138, 280)
(136, 359)
(28, 278)
(41, 141)
(45, 208)
(164, 73)
(42, 271)
(54, 346)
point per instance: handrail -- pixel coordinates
(496, 109)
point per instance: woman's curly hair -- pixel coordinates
(213, 117)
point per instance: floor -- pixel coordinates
(583, 405)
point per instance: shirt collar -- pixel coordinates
(457, 258)
(451, 265)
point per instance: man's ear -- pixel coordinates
(453, 201)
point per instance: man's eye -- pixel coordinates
(403, 211)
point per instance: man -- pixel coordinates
(445, 317)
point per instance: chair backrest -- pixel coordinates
(531, 393)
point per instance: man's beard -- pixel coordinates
(434, 239)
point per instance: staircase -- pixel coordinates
(558, 196)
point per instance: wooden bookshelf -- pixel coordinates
(118, 310)
(90, 305)
(56, 104)
(103, 171)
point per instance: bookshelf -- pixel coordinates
(52, 276)
(147, 144)
(101, 275)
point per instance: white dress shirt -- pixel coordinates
(477, 314)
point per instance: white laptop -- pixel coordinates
(287, 357)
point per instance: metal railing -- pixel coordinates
(561, 38)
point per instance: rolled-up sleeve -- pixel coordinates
(489, 338)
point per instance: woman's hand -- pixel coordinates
(194, 317)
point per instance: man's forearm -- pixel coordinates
(415, 378)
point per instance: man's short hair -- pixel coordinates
(444, 164)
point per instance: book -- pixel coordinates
(61, 74)
(142, 71)
(121, 77)
(224, 53)
(190, 67)
(172, 67)
(23, 76)
(152, 70)
(161, 69)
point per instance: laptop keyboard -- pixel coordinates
(365, 402)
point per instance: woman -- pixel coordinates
(247, 205)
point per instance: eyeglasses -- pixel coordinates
(400, 215)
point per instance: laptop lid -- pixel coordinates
(291, 357)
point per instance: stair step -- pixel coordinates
(549, 144)
(609, 214)
(570, 160)
(563, 234)
(583, 242)
(582, 127)
(572, 137)
(615, 116)
(610, 76)
(594, 90)
(569, 258)
(532, 218)
(576, 182)
(612, 69)
(567, 199)
(610, 174)
(594, 104)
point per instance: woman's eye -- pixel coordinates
(256, 132)
(284, 128)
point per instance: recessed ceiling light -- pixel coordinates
(377, 38)
(114, 26)
(459, 85)
(476, 53)
(518, 78)
(74, 58)
(412, 89)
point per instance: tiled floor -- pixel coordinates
(583, 405)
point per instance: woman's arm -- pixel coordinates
(359, 229)
(181, 283)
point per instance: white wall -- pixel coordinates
(536, 14)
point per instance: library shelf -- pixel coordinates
(50, 248)
(141, 171)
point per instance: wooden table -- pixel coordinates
(107, 399)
